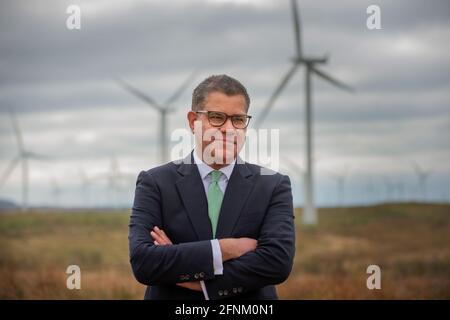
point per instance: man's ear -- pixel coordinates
(191, 116)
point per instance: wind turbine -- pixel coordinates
(340, 178)
(22, 158)
(422, 176)
(400, 187)
(113, 176)
(371, 194)
(56, 191)
(296, 169)
(310, 216)
(85, 186)
(163, 109)
(389, 188)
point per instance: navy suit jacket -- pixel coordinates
(172, 197)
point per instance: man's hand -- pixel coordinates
(194, 285)
(161, 239)
(233, 248)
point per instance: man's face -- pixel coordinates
(219, 145)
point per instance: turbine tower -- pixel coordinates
(310, 63)
(163, 109)
(23, 156)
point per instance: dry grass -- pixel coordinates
(410, 242)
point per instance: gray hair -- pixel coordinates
(221, 83)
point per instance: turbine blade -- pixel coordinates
(180, 89)
(17, 132)
(12, 165)
(420, 171)
(297, 32)
(332, 80)
(417, 168)
(275, 94)
(146, 98)
(297, 167)
(285, 169)
(36, 156)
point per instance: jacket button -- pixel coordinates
(235, 290)
(239, 289)
(225, 292)
(220, 293)
(202, 274)
(196, 276)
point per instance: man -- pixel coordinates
(213, 226)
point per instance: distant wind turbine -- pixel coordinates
(340, 178)
(23, 156)
(400, 187)
(310, 216)
(85, 186)
(422, 176)
(297, 169)
(113, 177)
(56, 191)
(370, 190)
(163, 109)
(389, 188)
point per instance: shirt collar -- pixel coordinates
(205, 169)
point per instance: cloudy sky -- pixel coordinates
(60, 84)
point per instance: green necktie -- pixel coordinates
(215, 197)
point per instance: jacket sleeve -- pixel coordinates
(168, 264)
(271, 262)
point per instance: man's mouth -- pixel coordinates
(232, 141)
(227, 142)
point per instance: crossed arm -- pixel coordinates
(231, 248)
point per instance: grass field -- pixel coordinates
(410, 243)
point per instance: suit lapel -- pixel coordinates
(192, 193)
(238, 189)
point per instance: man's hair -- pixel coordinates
(221, 83)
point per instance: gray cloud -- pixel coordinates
(60, 83)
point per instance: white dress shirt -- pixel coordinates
(205, 171)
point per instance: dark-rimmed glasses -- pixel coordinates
(218, 119)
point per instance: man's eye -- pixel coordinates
(216, 117)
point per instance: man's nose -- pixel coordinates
(228, 125)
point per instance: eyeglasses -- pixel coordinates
(218, 119)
